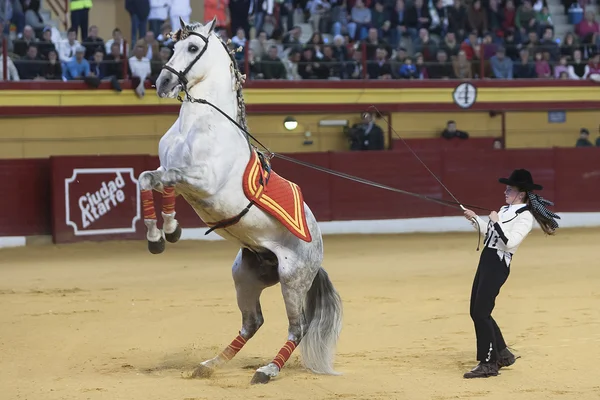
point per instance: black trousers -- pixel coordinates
(491, 275)
(80, 20)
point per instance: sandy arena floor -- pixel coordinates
(111, 321)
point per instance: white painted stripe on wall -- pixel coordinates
(386, 226)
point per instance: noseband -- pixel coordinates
(181, 75)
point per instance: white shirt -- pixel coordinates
(509, 232)
(66, 51)
(12, 74)
(159, 9)
(140, 68)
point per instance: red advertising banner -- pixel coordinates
(96, 198)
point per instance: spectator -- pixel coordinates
(442, 69)
(272, 67)
(3, 36)
(45, 46)
(98, 66)
(408, 70)
(31, 8)
(11, 11)
(380, 68)
(548, 44)
(12, 74)
(542, 68)
(561, 68)
(457, 19)
(373, 42)
(584, 139)
(469, 44)
(182, 9)
(52, 69)
(138, 13)
(502, 66)
(292, 38)
(68, 47)
(511, 46)
(366, 135)
(239, 11)
(341, 21)
(240, 38)
(151, 45)
(592, 69)
(544, 20)
(526, 19)
(477, 17)
(21, 46)
(92, 43)
(114, 62)
(157, 65)
(380, 20)
(462, 66)
(587, 28)
(569, 45)
(509, 22)
(524, 68)
(417, 19)
(117, 38)
(139, 69)
(361, 18)
(78, 67)
(291, 65)
(354, 68)
(159, 12)
(451, 132)
(80, 10)
(30, 67)
(331, 63)
(495, 17)
(450, 45)
(420, 64)
(577, 68)
(425, 45)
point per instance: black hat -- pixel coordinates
(522, 179)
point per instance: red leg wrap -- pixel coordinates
(233, 348)
(148, 204)
(284, 354)
(168, 203)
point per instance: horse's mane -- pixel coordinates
(240, 78)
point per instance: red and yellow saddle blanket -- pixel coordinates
(276, 196)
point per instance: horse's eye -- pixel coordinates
(192, 48)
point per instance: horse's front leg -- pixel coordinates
(149, 181)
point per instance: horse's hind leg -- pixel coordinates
(251, 275)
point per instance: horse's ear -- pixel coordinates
(182, 23)
(212, 24)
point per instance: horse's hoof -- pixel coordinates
(260, 377)
(157, 247)
(175, 235)
(200, 372)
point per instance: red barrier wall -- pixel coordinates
(35, 196)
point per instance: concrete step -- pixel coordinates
(560, 19)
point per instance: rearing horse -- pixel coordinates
(208, 160)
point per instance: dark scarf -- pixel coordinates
(538, 204)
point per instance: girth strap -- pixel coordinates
(230, 221)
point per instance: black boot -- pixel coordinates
(506, 358)
(483, 370)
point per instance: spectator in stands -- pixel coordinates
(12, 74)
(80, 11)
(45, 45)
(587, 28)
(451, 132)
(151, 45)
(361, 20)
(159, 12)
(272, 67)
(340, 51)
(9, 46)
(495, 17)
(542, 68)
(78, 67)
(320, 16)
(138, 13)
(548, 44)
(316, 42)
(442, 69)
(98, 66)
(340, 19)
(425, 45)
(240, 38)
(497, 144)
(561, 67)
(11, 11)
(398, 23)
(92, 43)
(398, 62)
(239, 11)
(544, 19)
(417, 19)
(182, 9)
(373, 42)
(254, 68)
(502, 66)
(21, 46)
(438, 13)
(68, 47)
(380, 68)
(354, 68)
(156, 66)
(331, 64)
(381, 20)
(30, 67)
(577, 67)
(31, 8)
(462, 66)
(450, 45)
(457, 19)
(117, 38)
(420, 64)
(526, 20)
(509, 21)
(477, 17)
(139, 69)
(592, 69)
(292, 38)
(114, 62)
(469, 45)
(569, 45)
(291, 65)
(366, 135)
(52, 69)
(408, 70)
(524, 68)
(511, 45)
(584, 139)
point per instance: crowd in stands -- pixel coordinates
(351, 39)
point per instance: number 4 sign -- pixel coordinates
(465, 95)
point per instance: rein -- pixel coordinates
(181, 75)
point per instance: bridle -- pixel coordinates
(181, 75)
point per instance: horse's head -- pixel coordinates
(189, 63)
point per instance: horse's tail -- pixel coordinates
(323, 313)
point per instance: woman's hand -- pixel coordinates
(494, 217)
(470, 214)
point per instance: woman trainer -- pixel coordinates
(504, 233)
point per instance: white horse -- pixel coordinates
(203, 157)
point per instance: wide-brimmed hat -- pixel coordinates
(522, 179)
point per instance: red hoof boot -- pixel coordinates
(483, 370)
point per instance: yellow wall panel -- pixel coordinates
(431, 124)
(532, 129)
